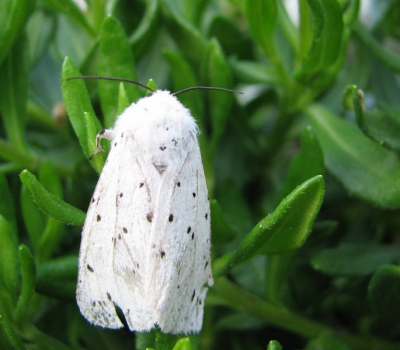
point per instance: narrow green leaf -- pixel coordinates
(116, 60)
(364, 167)
(327, 341)
(278, 267)
(222, 231)
(183, 77)
(165, 341)
(383, 292)
(14, 93)
(147, 29)
(254, 72)
(8, 337)
(13, 16)
(80, 112)
(217, 74)
(40, 31)
(71, 10)
(381, 125)
(386, 56)
(145, 340)
(123, 99)
(307, 163)
(9, 269)
(57, 278)
(28, 273)
(354, 260)
(283, 230)
(274, 345)
(33, 218)
(151, 84)
(351, 12)
(261, 17)
(190, 42)
(327, 23)
(52, 233)
(183, 344)
(50, 204)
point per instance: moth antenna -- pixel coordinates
(116, 79)
(205, 88)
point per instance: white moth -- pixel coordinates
(146, 240)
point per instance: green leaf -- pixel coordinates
(254, 72)
(50, 204)
(52, 234)
(13, 16)
(327, 23)
(71, 10)
(327, 341)
(222, 231)
(28, 273)
(147, 30)
(307, 163)
(274, 345)
(40, 31)
(383, 292)
(80, 112)
(381, 125)
(57, 278)
(165, 341)
(8, 244)
(116, 60)
(8, 337)
(34, 219)
(229, 35)
(354, 260)
(365, 168)
(183, 344)
(183, 77)
(151, 84)
(261, 17)
(123, 99)
(285, 229)
(217, 74)
(14, 93)
(145, 340)
(189, 40)
(386, 56)
(351, 13)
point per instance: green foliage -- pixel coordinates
(302, 169)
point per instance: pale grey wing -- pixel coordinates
(181, 263)
(96, 280)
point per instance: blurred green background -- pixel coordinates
(302, 169)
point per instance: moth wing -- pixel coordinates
(95, 275)
(131, 242)
(112, 243)
(182, 267)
